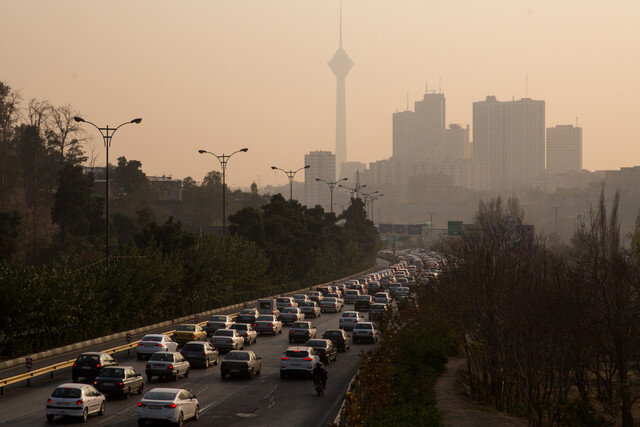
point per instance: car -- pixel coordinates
(153, 343)
(310, 309)
(89, 364)
(119, 380)
(268, 306)
(365, 331)
(373, 287)
(247, 315)
(363, 303)
(168, 404)
(337, 294)
(227, 339)
(200, 353)
(331, 304)
(377, 311)
(300, 298)
(298, 360)
(268, 323)
(167, 365)
(324, 290)
(240, 363)
(301, 331)
(285, 302)
(342, 287)
(382, 297)
(351, 295)
(75, 400)
(325, 349)
(339, 338)
(291, 314)
(247, 332)
(349, 319)
(189, 332)
(315, 296)
(402, 292)
(217, 322)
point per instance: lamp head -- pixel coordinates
(273, 167)
(244, 150)
(136, 121)
(362, 186)
(318, 179)
(307, 166)
(202, 151)
(78, 119)
(344, 179)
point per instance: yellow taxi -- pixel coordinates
(189, 332)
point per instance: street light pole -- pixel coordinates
(290, 175)
(107, 134)
(355, 189)
(367, 198)
(430, 218)
(224, 159)
(332, 186)
(556, 209)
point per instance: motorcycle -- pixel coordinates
(320, 386)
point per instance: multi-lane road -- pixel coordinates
(264, 400)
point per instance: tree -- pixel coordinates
(9, 104)
(65, 133)
(9, 225)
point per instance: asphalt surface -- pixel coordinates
(264, 400)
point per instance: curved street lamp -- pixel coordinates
(107, 134)
(224, 159)
(355, 189)
(332, 185)
(290, 175)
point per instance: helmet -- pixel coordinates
(319, 365)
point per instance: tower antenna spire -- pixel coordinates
(526, 85)
(340, 24)
(407, 100)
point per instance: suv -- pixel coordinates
(338, 337)
(363, 303)
(349, 319)
(302, 331)
(200, 353)
(365, 331)
(298, 360)
(88, 365)
(167, 365)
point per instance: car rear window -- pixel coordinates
(151, 338)
(162, 357)
(333, 334)
(377, 306)
(300, 325)
(299, 296)
(240, 327)
(296, 353)
(283, 300)
(218, 318)
(290, 310)
(308, 304)
(237, 356)
(193, 347)
(112, 373)
(364, 326)
(223, 333)
(316, 343)
(265, 318)
(247, 312)
(349, 314)
(89, 358)
(189, 328)
(161, 395)
(66, 392)
(265, 305)
(353, 292)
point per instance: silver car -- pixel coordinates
(75, 400)
(267, 323)
(285, 302)
(291, 314)
(247, 332)
(154, 343)
(364, 332)
(300, 298)
(218, 322)
(331, 304)
(167, 365)
(310, 309)
(349, 320)
(168, 404)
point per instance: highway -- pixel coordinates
(265, 400)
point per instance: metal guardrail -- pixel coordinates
(51, 369)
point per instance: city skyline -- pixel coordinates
(397, 45)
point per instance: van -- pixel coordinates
(268, 306)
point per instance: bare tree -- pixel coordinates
(63, 131)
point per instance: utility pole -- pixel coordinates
(430, 218)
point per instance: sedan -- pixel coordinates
(199, 353)
(365, 331)
(300, 298)
(218, 322)
(315, 296)
(349, 320)
(324, 348)
(268, 323)
(247, 332)
(331, 304)
(290, 315)
(167, 365)
(302, 331)
(382, 297)
(377, 311)
(153, 343)
(88, 365)
(248, 315)
(168, 404)
(363, 303)
(351, 295)
(310, 309)
(75, 400)
(185, 333)
(298, 360)
(119, 380)
(339, 338)
(227, 339)
(241, 363)
(285, 302)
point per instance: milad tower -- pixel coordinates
(340, 65)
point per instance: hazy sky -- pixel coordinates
(222, 75)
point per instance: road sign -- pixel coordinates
(400, 228)
(385, 228)
(128, 337)
(28, 363)
(414, 229)
(454, 228)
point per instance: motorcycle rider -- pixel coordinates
(320, 375)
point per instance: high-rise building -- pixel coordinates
(340, 64)
(430, 122)
(510, 136)
(323, 166)
(350, 169)
(403, 135)
(456, 142)
(564, 149)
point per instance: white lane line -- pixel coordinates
(202, 411)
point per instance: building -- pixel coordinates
(323, 166)
(349, 170)
(341, 64)
(456, 142)
(403, 135)
(511, 137)
(430, 122)
(564, 149)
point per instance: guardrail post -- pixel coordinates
(28, 382)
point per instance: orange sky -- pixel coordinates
(221, 75)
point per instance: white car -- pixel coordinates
(247, 332)
(218, 322)
(285, 302)
(349, 320)
(382, 297)
(351, 296)
(300, 298)
(298, 360)
(227, 339)
(310, 308)
(153, 343)
(75, 400)
(168, 404)
(331, 304)
(267, 323)
(364, 331)
(291, 314)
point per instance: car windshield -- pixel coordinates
(265, 318)
(160, 395)
(218, 318)
(240, 327)
(192, 347)
(265, 305)
(300, 325)
(364, 326)
(151, 338)
(189, 328)
(316, 343)
(223, 333)
(88, 358)
(239, 355)
(296, 353)
(66, 392)
(112, 373)
(162, 357)
(283, 300)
